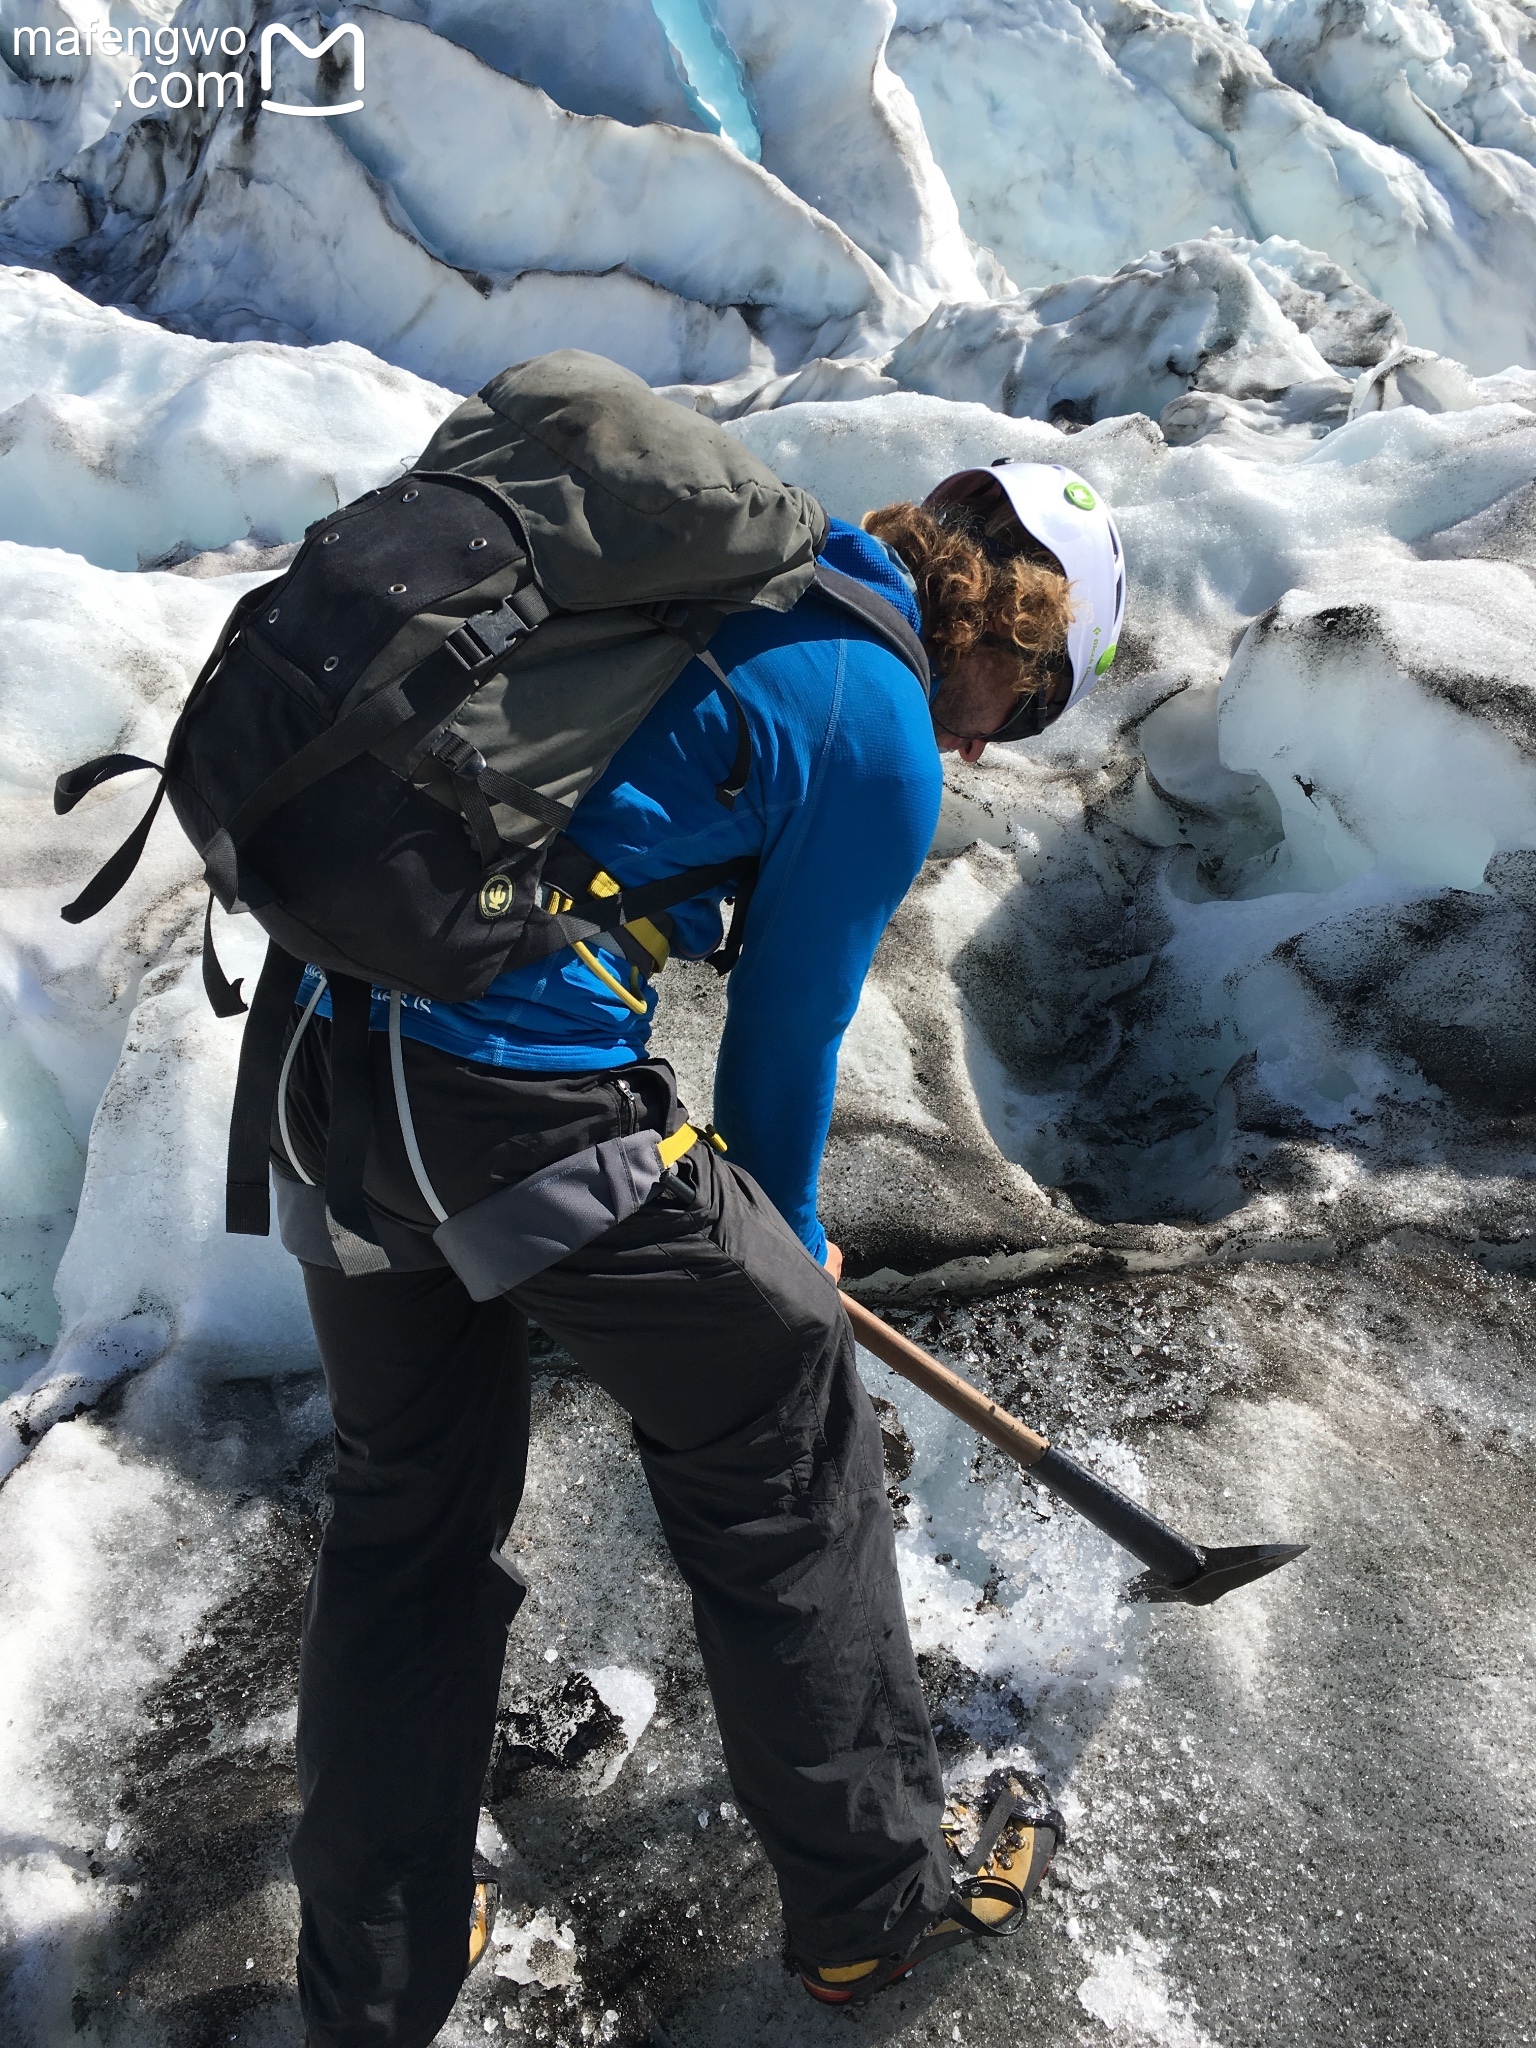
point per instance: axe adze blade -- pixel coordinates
(1236, 1565)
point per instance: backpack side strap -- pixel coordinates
(735, 781)
(247, 1200)
(113, 872)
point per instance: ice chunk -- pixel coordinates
(535, 1948)
(1129, 1994)
(1176, 122)
(1352, 702)
(1193, 316)
(130, 446)
(628, 1694)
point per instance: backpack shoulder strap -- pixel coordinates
(878, 614)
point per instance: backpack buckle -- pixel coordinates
(485, 638)
(468, 649)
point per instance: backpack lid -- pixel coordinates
(627, 498)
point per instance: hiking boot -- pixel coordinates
(1001, 1858)
(482, 1910)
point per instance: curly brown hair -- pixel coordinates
(981, 581)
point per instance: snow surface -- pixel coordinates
(134, 447)
(1229, 976)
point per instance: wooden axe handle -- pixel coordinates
(945, 1387)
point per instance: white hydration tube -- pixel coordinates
(282, 1082)
(403, 1108)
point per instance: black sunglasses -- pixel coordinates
(1033, 713)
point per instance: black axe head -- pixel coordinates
(1237, 1565)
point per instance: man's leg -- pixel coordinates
(708, 1321)
(405, 1629)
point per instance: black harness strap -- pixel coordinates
(247, 1202)
(351, 1127)
(647, 899)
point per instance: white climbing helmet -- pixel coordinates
(1062, 511)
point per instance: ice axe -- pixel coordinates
(1176, 1568)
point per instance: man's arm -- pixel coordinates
(828, 886)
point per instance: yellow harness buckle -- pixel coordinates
(684, 1138)
(603, 884)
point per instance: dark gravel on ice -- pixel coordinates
(1307, 1817)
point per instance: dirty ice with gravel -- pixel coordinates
(1191, 1104)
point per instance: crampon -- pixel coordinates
(1003, 1843)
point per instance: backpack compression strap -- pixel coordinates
(433, 689)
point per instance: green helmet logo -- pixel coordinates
(1078, 494)
(1101, 666)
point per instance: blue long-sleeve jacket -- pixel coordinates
(840, 806)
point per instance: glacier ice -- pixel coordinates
(951, 148)
(134, 447)
(1172, 121)
(1194, 317)
(1223, 986)
(60, 89)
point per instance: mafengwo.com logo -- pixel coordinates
(196, 55)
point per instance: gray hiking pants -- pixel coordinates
(703, 1316)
